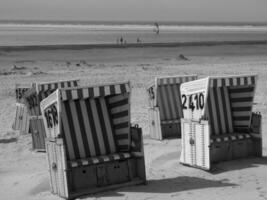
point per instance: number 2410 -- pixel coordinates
(198, 102)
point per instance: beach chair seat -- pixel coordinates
(22, 119)
(165, 106)
(32, 98)
(99, 159)
(219, 112)
(91, 145)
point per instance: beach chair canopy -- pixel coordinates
(225, 101)
(45, 89)
(165, 94)
(94, 121)
(40, 91)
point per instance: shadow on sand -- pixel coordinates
(238, 164)
(9, 140)
(170, 185)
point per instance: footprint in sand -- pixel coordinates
(15, 183)
(262, 196)
(258, 188)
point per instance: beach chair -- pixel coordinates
(165, 108)
(21, 122)
(33, 97)
(91, 146)
(218, 123)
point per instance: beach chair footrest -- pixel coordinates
(231, 147)
(103, 176)
(171, 130)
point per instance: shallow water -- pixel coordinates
(13, 34)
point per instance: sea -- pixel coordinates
(28, 33)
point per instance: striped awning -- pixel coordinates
(93, 92)
(57, 84)
(242, 80)
(169, 80)
(229, 103)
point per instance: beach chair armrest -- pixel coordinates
(136, 139)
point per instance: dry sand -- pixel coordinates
(24, 173)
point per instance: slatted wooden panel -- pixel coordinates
(57, 168)
(154, 123)
(21, 122)
(195, 144)
(202, 145)
(38, 133)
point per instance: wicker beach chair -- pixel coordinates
(165, 108)
(91, 145)
(21, 122)
(33, 97)
(218, 121)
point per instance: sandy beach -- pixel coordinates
(24, 173)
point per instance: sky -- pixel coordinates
(136, 10)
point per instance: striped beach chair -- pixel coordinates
(21, 122)
(32, 98)
(91, 145)
(218, 121)
(165, 108)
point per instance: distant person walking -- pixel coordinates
(121, 40)
(156, 29)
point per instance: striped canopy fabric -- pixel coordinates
(241, 99)
(45, 89)
(229, 103)
(93, 92)
(168, 96)
(87, 128)
(95, 121)
(218, 111)
(249, 80)
(169, 80)
(40, 91)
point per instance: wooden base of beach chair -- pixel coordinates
(102, 177)
(38, 134)
(230, 150)
(71, 182)
(171, 130)
(220, 152)
(197, 145)
(162, 129)
(242, 148)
